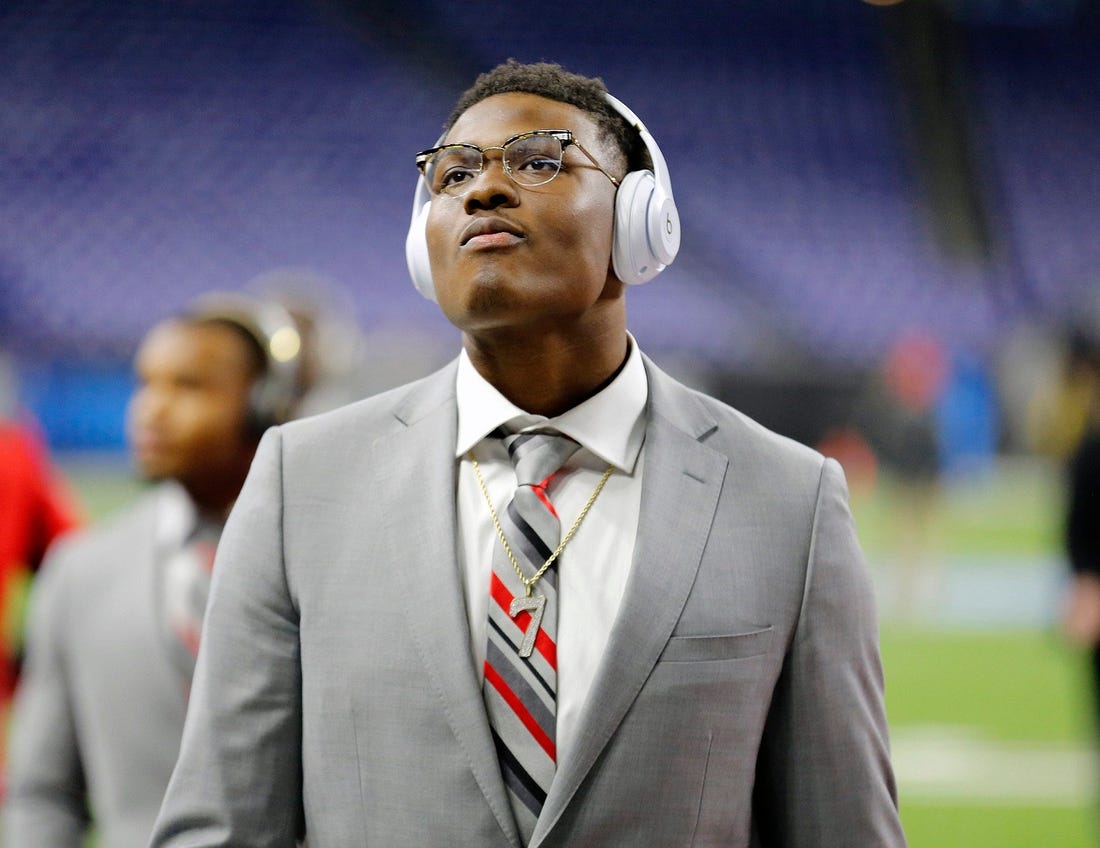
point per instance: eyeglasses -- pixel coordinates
(530, 159)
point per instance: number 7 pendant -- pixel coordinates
(536, 605)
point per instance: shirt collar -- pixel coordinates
(610, 424)
(178, 519)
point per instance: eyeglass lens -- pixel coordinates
(530, 160)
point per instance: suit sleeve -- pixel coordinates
(45, 804)
(824, 775)
(238, 778)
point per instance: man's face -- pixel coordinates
(186, 419)
(510, 256)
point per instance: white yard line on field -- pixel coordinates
(954, 765)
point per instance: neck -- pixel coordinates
(213, 498)
(548, 375)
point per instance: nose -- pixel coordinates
(492, 188)
(148, 406)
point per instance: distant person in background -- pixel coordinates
(116, 612)
(898, 414)
(1061, 407)
(1081, 620)
(36, 507)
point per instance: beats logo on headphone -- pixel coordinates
(647, 225)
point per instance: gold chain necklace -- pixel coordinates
(530, 582)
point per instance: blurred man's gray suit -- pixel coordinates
(101, 704)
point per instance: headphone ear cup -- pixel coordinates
(662, 227)
(257, 419)
(416, 252)
(647, 229)
(268, 405)
(630, 255)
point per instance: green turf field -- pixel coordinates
(990, 723)
(991, 738)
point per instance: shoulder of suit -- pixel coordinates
(747, 429)
(766, 463)
(118, 538)
(724, 428)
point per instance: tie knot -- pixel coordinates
(537, 455)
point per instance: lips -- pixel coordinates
(491, 232)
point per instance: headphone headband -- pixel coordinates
(646, 234)
(660, 167)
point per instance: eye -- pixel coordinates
(453, 176)
(452, 167)
(538, 163)
(535, 159)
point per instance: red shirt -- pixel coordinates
(35, 508)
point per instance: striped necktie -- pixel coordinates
(520, 691)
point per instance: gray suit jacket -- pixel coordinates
(100, 707)
(739, 701)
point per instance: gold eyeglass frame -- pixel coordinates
(565, 139)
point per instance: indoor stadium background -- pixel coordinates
(853, 180)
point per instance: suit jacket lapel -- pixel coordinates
(681, 482)
(419, 457)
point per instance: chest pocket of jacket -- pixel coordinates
(733, 646)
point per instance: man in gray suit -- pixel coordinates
(116, 611)
(421, 635)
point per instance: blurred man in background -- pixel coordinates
(899, 415)
(116, 612)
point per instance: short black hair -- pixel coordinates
(552, 81)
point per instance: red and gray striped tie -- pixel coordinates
(520, 691)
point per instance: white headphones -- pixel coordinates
(647, 226)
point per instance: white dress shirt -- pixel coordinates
(593, 568)
(185, 542)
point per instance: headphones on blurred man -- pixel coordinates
(278, 389)
(647, 226)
